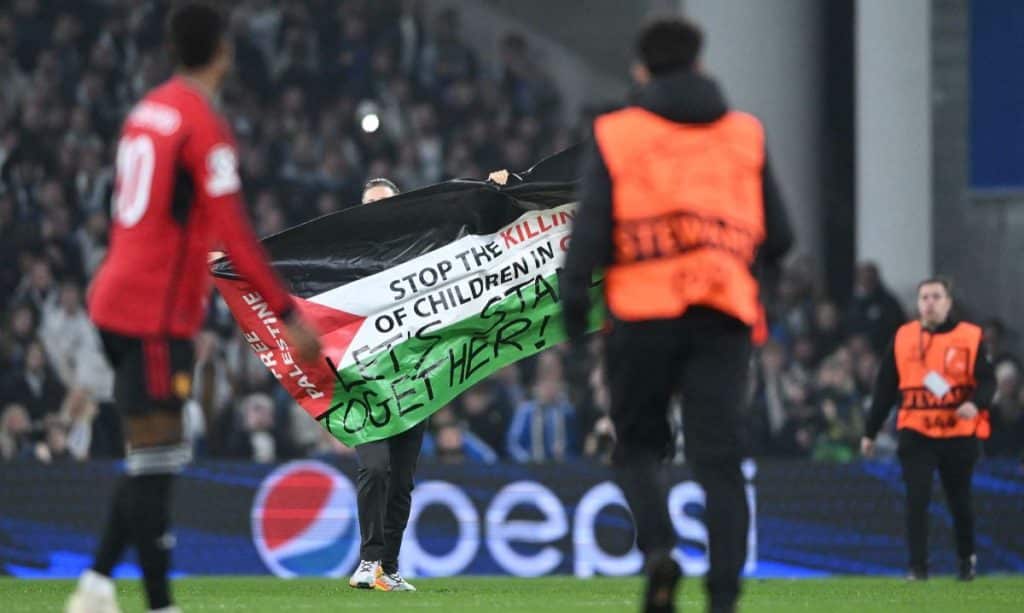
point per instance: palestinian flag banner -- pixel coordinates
(417, 297)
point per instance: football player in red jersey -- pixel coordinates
(177, 195)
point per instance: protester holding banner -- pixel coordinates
(385, 482)
(938, 373)
(677, 203)
(378, 189)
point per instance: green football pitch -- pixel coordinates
(261, 594)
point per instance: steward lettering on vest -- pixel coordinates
(687, 213)
(640, 240)
(921, 398)
(928, 364)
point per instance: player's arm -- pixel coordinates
(211, 155)
(883, 398)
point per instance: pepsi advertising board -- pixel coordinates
(299, 519)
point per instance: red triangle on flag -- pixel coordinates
(337, 328)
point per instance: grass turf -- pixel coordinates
(561, 594)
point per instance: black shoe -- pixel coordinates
(917, 574)
(968, 568)
(663, 577)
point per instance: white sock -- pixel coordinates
(170, 609)
(95, 583)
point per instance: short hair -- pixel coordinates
(382, 182)
(946, 284)
(194, 32)
(669, 45)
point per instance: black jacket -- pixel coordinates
(877, 315)
(887, 384)
(685, 97)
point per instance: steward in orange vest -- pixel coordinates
(939, 376)
(678, 206)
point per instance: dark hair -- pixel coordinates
(943, 281)
(194, 33)
(669, 45)
(381, 181)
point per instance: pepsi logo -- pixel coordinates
(304, 521)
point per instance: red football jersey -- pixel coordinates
(177, 196)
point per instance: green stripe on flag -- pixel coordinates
(389, 390)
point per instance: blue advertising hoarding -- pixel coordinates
(298, 519)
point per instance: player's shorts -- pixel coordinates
(150, 374)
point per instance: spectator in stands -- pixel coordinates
(865, 371)
(78, 413)
(211, 388)
(11, 75)
(35, 387)
(92, 241)
(9, 273)
(486, 413)
(244, 369)
(793, 312)
(446, 59)
(33, 33)
(802, 426)
(873, 310)
(54, 446)
(252, 434)
(805, 358)
(38, 289)
(995, 342)
(1007, 412)
(859, 345)
(828, 334)
(19, 332)
(600, 440)
(544, 429)
(510, 385)
(15, 432)
(525, 82)
(72, 342)
(450, 442)
(768, 408)
(94, 187)
(840, 409)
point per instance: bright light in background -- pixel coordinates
(370, 123)
(368, 116)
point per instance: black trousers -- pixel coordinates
(705, 355)
(954, 458)
(385, 483)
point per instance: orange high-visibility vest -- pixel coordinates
(930, 363)
(688, 214)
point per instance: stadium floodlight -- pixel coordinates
(368, 116)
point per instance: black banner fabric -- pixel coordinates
(342, 247)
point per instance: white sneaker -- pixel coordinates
(94, 594)
(392, 583)
(170, 609)
(366, 573)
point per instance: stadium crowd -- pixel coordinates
(308, 74)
